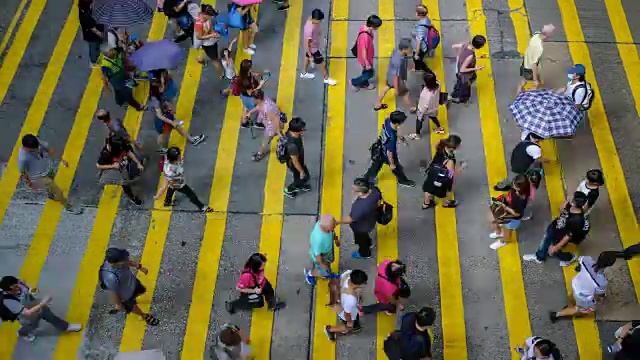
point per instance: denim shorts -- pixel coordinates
(512, 225)
(247, 102)
(321, 271)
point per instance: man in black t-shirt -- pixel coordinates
(570, 226)
(295, 161)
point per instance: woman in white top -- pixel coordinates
(428, 105)
(174, 181)
(537, 348)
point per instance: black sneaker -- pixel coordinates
(407, 183)
(553, 316)
(305, 188)
(197, 140)
(290, 193)
(244, 125)
(356, 330)
(258, 126)
(283, 7)
(279, 306)
(229, 307)
(136, 200)
(331, 336)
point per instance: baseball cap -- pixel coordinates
(577, 69)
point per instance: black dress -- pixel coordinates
(429, 186)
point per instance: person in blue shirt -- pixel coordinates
(389, 140)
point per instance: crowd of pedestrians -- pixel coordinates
(117, 53)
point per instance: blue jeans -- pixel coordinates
(362, 81)
(543, 249)
(94, 51)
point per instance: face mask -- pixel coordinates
(570, 77)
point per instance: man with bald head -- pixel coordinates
(321, 249)
(531, 67)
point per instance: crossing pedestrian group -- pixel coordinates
(125, 61)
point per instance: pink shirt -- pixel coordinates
(429, 102)
(365, 46)
(384, 289)
(312, 35)
(247, 281)
(267, 108)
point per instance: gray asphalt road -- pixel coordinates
(487, 335)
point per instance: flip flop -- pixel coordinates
(382, 106)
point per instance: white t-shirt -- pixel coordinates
(174, 173)
(530, 354)
(532, 150)
(349, 302)
(580, 97)
(587, 283)
(229, 69)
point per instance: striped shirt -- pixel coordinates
(174, 173)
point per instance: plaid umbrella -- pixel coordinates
(122, 13)
(546, 113)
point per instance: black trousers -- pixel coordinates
(375, 167)
(364, 242)
(242, 303)
(188, 192)
(462, 90)
(299, 182)
(420, 122)
(378, 307)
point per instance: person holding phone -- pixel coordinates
(441, 172)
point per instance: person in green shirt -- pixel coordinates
(321, 242)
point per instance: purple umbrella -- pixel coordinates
(163, 54)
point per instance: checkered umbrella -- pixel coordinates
(122, 13)
(545, 113)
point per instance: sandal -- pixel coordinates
(257, 156)
(413, 110)
(151, 320)
(171, 203)
(382, 106)
(207, 210)
(428, 205)
(450, 204)
(439, 130)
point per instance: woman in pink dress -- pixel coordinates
(271, 117)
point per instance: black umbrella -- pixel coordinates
(122, 13)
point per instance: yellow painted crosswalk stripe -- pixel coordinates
(621, 202)
(12, 26)
(46, 229)
(626, 47)
(331, 192)
(40, 102)
(213, 238)
(87, 279)
(272, 213)
(451, 303)
(135, 327)
(386, 235)
(586, 331)
(515, 301)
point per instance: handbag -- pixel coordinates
(498, 209)
(254, 300)
(444, 98)
(384, 213)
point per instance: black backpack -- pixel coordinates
(5, 313)
(376, 150)
(354, 48)
(281, 149)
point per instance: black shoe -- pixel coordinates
(305, 188)
(290, 193)
(136, 200)
(244, 125)
(553, 316)
(283, 7)
(258, 126)
(278, 306)
(197, 140)
(229, 307)
(331, 336)
(407, 183)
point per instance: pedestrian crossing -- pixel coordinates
(223, 239)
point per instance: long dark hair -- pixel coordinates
(394, 274)
(451, 142)
(430, 81)
(255, 261)
(522, 185)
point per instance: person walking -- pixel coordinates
(254, 288)
(578, 89)
(248, 28)
(232, 344)
(295, 161)
(397, 73)
(536, 347)
(20, 303)
(364, 51)
(351, 283)
(587, 287)
(206, 38)
(466, 68)
(321, 251)
(428, 105)
(35, 167)
(570, 226)
(526, 156)
(390, 290)
(441, 173)
(248, 83)
(114, 71)
(531, 67)
(389, 151)
(421, 38)
(412, 339)
(312, 36)
(363, 216)
(590, 186)
(271, 117)
(117, 154)
(515, 203)
(92, 32)
(116, 277)
(115, 128)
(174, 180)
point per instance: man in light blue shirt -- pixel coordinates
(420, 38)
(321, 242)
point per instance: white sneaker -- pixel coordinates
(567, 263)
(28, 337)
(307, 75)
(74, 327)
(497, 244)
(413, 136)
(252, 46)
(531, 257)
(330, 81)
(496, 235)
(249, 51)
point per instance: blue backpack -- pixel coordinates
(234, 19)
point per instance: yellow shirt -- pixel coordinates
(534, 52)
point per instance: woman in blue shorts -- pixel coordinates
(516, 202)
(249, 83)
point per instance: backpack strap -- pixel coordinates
(575, 90)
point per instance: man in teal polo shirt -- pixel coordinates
(321, 249)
